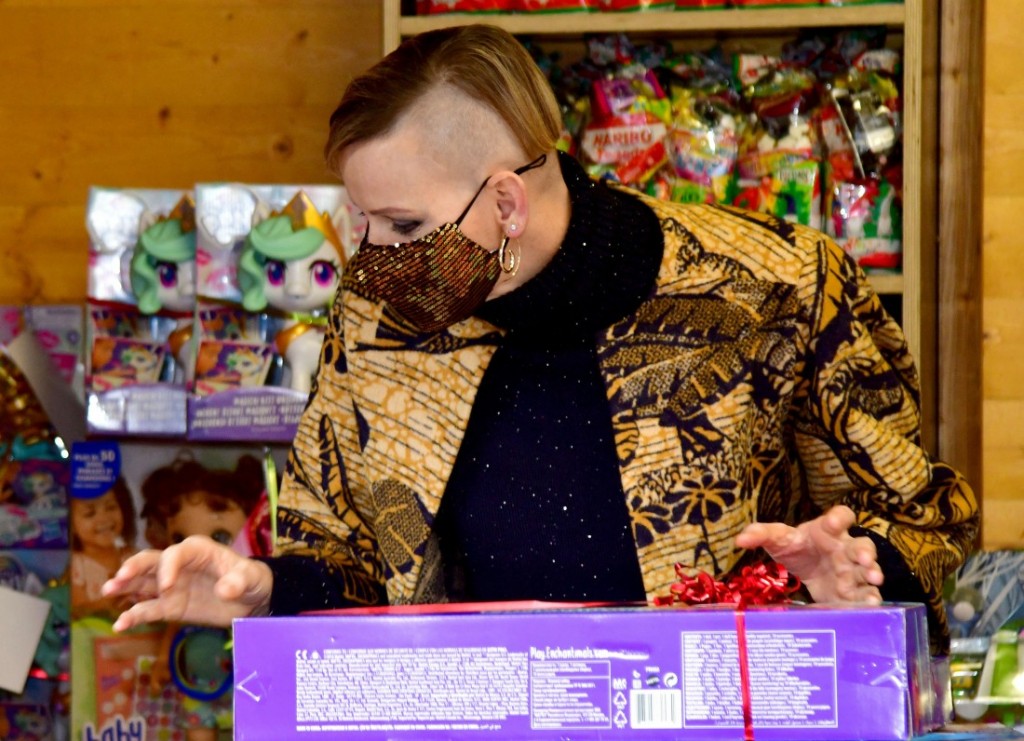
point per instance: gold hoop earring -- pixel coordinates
(508, 257)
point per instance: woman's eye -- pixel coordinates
(168, 274)
(323, 272)
(405, 228)
(275, 272)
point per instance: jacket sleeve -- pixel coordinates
(858, 437)
(326, 553)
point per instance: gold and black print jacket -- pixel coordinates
(762, 380)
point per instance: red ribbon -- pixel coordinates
(760, 584)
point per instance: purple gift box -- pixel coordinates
(573, 674)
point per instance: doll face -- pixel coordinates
(98, 523)
(39, 483)
(141, 360)
(196, 518)
(305, 284)
(176, 285)
(246, 363)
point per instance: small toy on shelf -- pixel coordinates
(269, 263)
(141, 258)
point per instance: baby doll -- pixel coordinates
(186, 498)
(292, 262)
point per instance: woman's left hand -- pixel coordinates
(832, 564)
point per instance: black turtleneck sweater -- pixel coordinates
(534, 507)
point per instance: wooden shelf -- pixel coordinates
(887, 283)
(676, 22)
(915, 22)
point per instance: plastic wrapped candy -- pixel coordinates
(779, 152)
(865, 217)
(624, 139)
(861, 130)
(703, 136)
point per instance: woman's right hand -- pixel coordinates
(196, 581)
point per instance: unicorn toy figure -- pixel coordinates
(163, 276)
(292, 262)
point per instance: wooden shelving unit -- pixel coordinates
(915, 22)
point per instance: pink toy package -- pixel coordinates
(269, 262)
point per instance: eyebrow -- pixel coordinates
(391, 211)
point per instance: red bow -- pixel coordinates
(760, 584)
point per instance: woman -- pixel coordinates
(536, 386)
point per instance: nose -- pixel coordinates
(296, 283)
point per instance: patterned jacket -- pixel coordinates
(761, 380)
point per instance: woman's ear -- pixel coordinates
(512, 204)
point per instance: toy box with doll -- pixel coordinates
(141, 298)
(168, 681)
(269, 263)
(569, 672)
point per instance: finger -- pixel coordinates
(838, 520)
(116, 587)
(141, 566)
(862, 552)
(859, 593)
(236, 583)
(249, 582)
(147, 611)
(772, 536)
(192, 553)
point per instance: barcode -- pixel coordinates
(656, 709)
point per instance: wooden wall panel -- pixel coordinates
(153, 94)
(143, 93)
(1003, 277)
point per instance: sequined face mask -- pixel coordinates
(434, 281)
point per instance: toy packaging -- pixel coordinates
(40, 711)
(985, 602)
(811, 672)
(57, 327)
(141, 299)
(33, 464)
(34, 477)
(269, 262)
(167, 681)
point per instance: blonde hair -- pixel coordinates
(484, 62)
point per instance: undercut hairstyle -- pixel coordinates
(485, 63)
